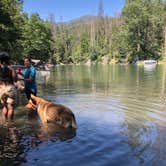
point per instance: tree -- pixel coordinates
(164, 27)
(63, 43)
(118, 37)
(143, 24)
(37, 38)
(11, 21)
(101, 39)
(85, 47)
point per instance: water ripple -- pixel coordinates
(120, 113)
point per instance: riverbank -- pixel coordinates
(113, 61)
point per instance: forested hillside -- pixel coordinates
(136, 33)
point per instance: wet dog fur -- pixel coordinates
(51, 112)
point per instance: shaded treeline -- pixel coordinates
(21, 35)
(136, 33)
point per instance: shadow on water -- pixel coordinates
(51, 132)
(24, 133)
(11, 150)
(56, 132)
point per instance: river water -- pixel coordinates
(120, 113)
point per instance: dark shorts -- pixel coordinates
(28, 92)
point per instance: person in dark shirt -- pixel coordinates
(7, 89)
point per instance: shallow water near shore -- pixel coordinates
(120, 113)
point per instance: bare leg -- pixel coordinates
(4, 113)
(10, 111)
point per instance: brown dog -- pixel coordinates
(51, 112)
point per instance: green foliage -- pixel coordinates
(143, 25)
(20, 35)
(10, 26)
(37, 38)
(85, 43)
(63, 42)
(136, 33)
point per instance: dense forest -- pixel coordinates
(135, 33)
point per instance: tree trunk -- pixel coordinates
(92, 33)
(165, 40)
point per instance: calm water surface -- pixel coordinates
(120, 113)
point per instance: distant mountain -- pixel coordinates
(82, 24)
(83, 20)
(87, 19)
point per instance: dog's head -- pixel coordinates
(36, 99)
(31, 105)
(33, 102)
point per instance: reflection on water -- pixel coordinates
(120, 113)
(11, 151)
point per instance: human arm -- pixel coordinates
(29, 79)
(30, 74)
(13, 74)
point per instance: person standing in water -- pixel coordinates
(7, 89)
(29, 78)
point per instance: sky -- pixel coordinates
(66, 10)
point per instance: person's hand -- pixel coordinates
(21, 79)
(10, 67)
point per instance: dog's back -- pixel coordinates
(51, 112)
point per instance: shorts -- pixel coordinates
(7, 94)
(28, 92)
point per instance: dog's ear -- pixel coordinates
(33, 101)
(33, 96)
